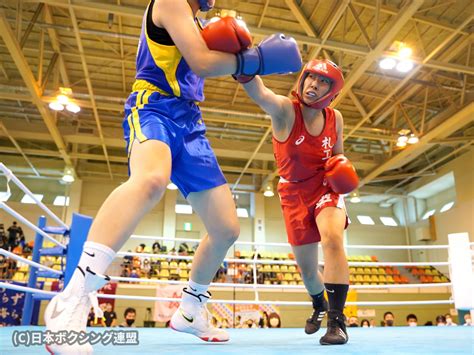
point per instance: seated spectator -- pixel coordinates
(412, 321)
(249, 323)
(429, 323)
(449, 320)
(440, 320)
(224, 323)
(372, 323)
(274, 320)
(110, 316)
(353, 322)
(467, 319)
(365, 323)
(263, 322)
(388, 319)
(238, 322)
(156, 248)
(129, 317)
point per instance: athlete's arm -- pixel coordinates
(277, 106)
(177, 18)
(339, 146)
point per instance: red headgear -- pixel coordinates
(324, 68)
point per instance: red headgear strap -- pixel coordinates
(324, 68)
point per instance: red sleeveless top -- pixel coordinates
(302, 155)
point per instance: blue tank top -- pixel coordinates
(162, 68)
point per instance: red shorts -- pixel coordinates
(301, 202)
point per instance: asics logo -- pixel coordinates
(56, 313)
(299, 140)
(189, 319)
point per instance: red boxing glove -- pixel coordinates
(341, 174)
(226, 35)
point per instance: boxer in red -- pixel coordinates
(308, 148)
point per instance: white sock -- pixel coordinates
(95, 256)
(189, 302)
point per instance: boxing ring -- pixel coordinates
(394, 340)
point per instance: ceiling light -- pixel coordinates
(401, 144)
(62, 99)
(412, 139)
(68, 176)
(405, 66)
(56, 106)
(387, 63)
(355, 198)
(405, 52)
(72, 107)
(269, 190)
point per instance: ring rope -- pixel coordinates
(188, 240)
(29, 262)
(282, 262)
(277, 303)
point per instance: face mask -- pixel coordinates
(274, 322)
(130, 322)
(468, 321)
(365, 326)
(389, 323)
(412, 324)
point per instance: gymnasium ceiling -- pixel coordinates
(90, 47)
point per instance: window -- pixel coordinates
(365, 220)
(242, 212)
(428, 214)
(446, 207)
(27, 198)
(388, 221)
(61, 201)
(183, 209)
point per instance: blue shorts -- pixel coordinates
(179, 124)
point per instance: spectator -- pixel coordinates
(365, 323)
(429, 323)
(22, 242)
(467, 319)
(449, 320)
(110, 316)
(156, 248)
(238, 322)
(3, 237)
(372, 323)
(388, 319)
(13, 235)
(249, 323)
(263, 322)
(129, 317)
(353, 322)
(224, 323)
(214, 322)
(412, 321)
(274, 320)
(440, 320)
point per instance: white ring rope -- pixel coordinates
(29, 224)
(10, 176)
(282, 262)
(266, 286)
(277, 303)
(187, 240)
(29, 262)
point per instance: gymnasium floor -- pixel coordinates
(396, 340)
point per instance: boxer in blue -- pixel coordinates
(165, 136)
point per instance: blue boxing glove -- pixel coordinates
(276, 54)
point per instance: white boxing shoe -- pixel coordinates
(68, 311)
(197, 324)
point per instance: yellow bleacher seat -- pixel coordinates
(359, 270)
(359, 278)
(390, 279)
(284, 283)
(352, 270)
(366, 278)
(352, 278)
(381, 271)
(373, 271)
(436, 279)
(173, 265)
(183, 265)
(288, 276)
(293, 283)
(267, 267)
(292, 268)
(374, 278)
(164, 265)
(301, 283)
(284, 268)
(297, 277)
(164, 273)
(276, 268)
(183, 273)
(382, 278)
(444, 278)
(367, 270)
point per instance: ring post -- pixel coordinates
(29, 302)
